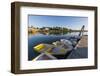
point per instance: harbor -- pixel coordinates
(51, 47)
(51, 40)
(80, 51)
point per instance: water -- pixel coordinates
(34, 40)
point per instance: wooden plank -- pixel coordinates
(83, 42)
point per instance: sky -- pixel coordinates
(71, 22)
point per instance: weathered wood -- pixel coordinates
(83, 42)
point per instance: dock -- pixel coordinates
(83, 42)
(81, 49)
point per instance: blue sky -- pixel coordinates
(70, 22)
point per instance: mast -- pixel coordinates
(82, 30)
